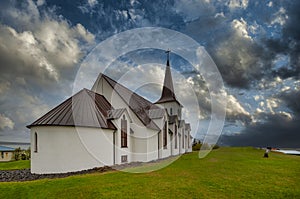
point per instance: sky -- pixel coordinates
(254, 43)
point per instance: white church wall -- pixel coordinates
(182, 141)
(152, 145)
(173, 108)
(139, 140)
(166, 151)
(61, 150)
(189, 141)
(160, 123)
(119, 150)
(142, 138)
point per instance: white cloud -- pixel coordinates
(45, 46)
(241, 28)
(234, 107)
(233, 4)
(41, 50)
(280, 17)
(271, 104)
(270, 4)
(192, 9)
(286, 115)
(256, 97)
(5, 122)
(220, 14)
(40, 2)
(92, 3)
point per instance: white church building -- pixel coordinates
(109, 125)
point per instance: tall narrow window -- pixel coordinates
(175, 136)
(171, 111)
(123, 132)
(165, 135)
(35, 143)
(182, 139)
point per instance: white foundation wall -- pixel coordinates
(63, 149)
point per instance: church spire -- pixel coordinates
(168, 94)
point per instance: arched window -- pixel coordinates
(165, 130)
(175, 136)
(35, 142)
(123, 132)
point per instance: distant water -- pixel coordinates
(290, 152)
(22, 145)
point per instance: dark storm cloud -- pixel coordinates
(239, 57)
(292, 99)
(277, 131)
(273, 129)
(289, 43)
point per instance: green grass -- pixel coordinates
(224, 173)
(21, 164)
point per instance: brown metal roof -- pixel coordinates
(168, 94)
(115, 113)
(86, 109)
(139, 105)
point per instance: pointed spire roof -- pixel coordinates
(168, 94)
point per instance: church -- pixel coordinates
(109, 125)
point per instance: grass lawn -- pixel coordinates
(21, 164)
(224, 173)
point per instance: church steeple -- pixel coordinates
(168, 94)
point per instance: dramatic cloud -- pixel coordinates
(277, 131)
(38, 51)
(233, 4)
(239, 58)
(6, 122)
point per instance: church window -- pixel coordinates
(35, 142)
(175, 136)
(182, 140)
(171, 111)
(123, 132)
(165, 135)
